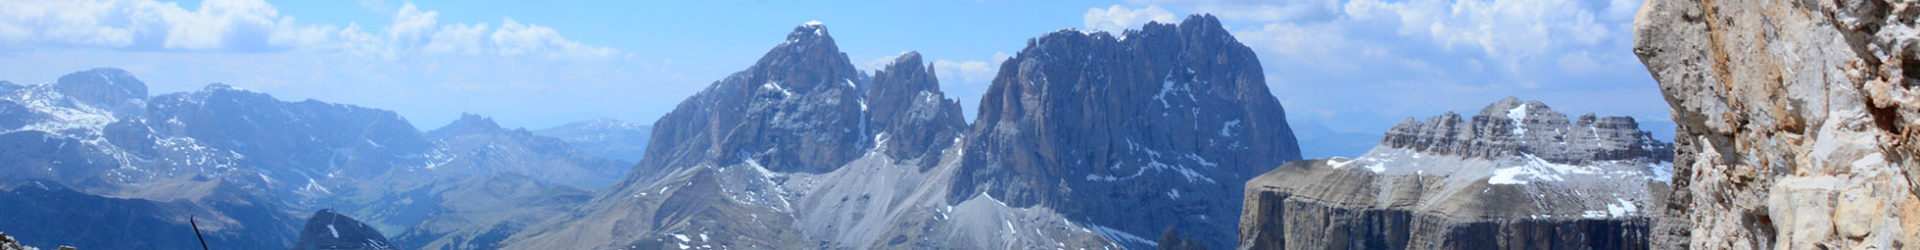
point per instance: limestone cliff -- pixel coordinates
(1795, 121)
(1517, 175)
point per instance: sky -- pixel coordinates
(1354, 66)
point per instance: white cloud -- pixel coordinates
(971, 72)
(1258, 10)
(254, 25)
(216, 25)
(1118, 18)
(1395, 56)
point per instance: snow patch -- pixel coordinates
(1230, 128)
(336, 233)
(1662, 172)
(1516, 115)
(775, 85)
(1537, 169)
(1120, 236)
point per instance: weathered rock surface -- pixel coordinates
(1796, 121)
(1515, 176)
(1132, 134)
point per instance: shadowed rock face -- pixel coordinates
(1515, 176)
(1136, 133)
(908, 109)
(1796, 121)
(739, 164)
(328, 230)
(775, 113)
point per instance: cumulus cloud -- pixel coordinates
(243, 25)
(1119, 18)
(254, 25)
(1395, 55)
(1258, 10)
(1518, 39)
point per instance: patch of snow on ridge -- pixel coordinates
(1338, 162)
(1621, 207)
(1507, 176)
(775, 85)
(1662, 172)
(1537, 169)
(1517, 115)
(1117, 236)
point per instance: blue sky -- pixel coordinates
(1357, 66)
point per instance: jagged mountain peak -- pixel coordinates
(907, 72)
(811, 30)
(467, 124)
(909, 112)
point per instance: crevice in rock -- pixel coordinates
(1887, 118)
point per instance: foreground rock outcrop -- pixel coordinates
(1515, 176)
(1796, 121)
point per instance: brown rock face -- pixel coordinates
(1796, 121)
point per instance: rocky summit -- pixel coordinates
(1796, 122)
(799, 150)
(1517, 175)
(328, 230)
(1130, 134)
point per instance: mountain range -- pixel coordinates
(1162, 136)
(249, 166)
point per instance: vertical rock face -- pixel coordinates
(328, 230)
(911, 116)
(776, 113)
(1515, 176)
(1796, 121)
(798, 151)
(1155, 128)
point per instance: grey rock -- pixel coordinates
(1515, 176)
(1136, 133)
(1794, 119)
(908, 109)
